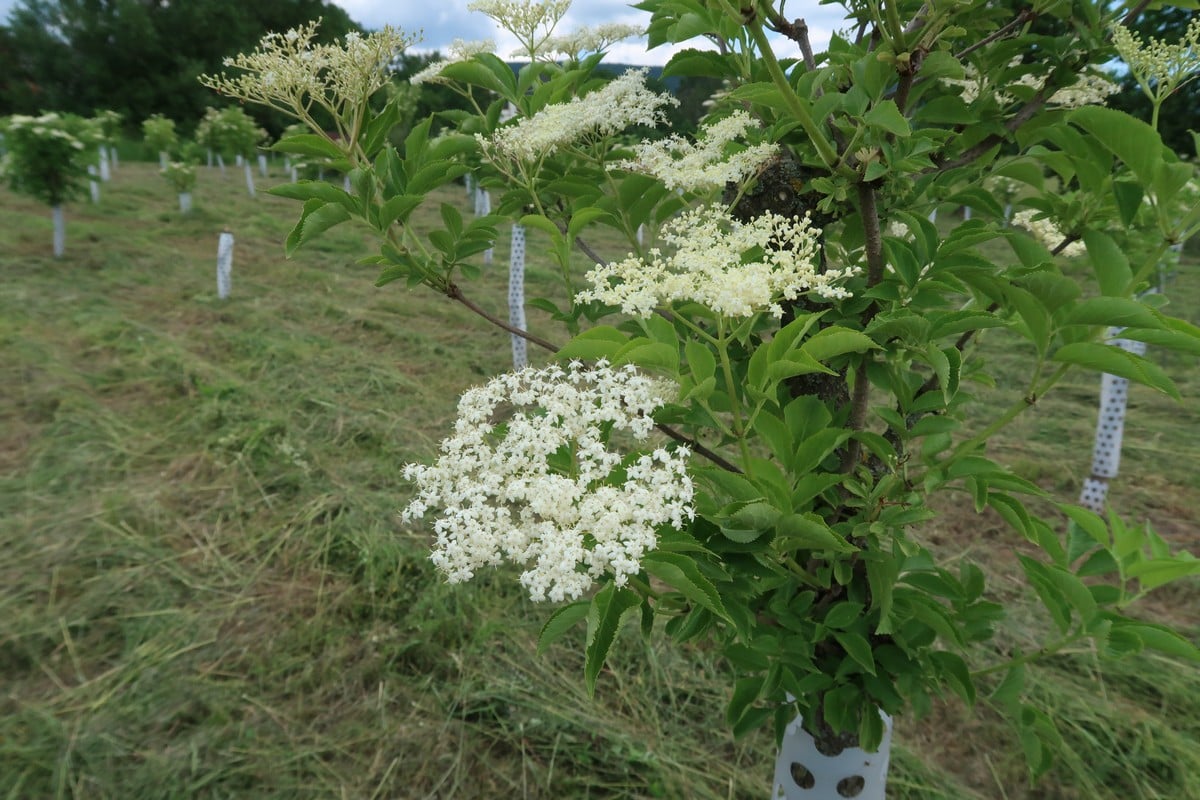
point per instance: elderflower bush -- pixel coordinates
(816, 371)
(45, 157)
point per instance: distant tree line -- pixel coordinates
(138, 57)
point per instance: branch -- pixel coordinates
(1134, 13)
(1020, 118)
(455, 293)
(697, 447)
(857, 420)
(1026, 15)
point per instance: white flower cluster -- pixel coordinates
(734, 268)
(49, 126)
(1046, 232)
(701, 166)
(1090, 89)
(501, 498)
(1157, 62)
(618, 104)
(459, 51)
(290, 72)
(590, 39)
(530, 21)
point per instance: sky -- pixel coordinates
(442, 21)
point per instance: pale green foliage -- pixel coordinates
(159, 133)
(45, 157)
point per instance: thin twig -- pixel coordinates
(455, 293)
(1026, 15)
(857, 420)
(696, 447)
(1020, 118)
(1134, 13)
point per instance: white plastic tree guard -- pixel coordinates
(185, 202)
(105, 172)
(249, 177)
(93, 187)
(516, 296)
(1110, 429)
(484, 208)
(224, 265)
(60, 231)
(221, 164)
(262, 165)
(802, 772)
(114, 158)
(162, 159)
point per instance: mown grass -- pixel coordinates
(206, 591)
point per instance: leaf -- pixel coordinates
(843, 615)
(560, 622)
(309, 144)
(835, 341)
(1129, 139)
(857, 648)
(317, 217)
(1115, 361)
(809, 532)
(1122, 312)
(681, 573)
(953, 667)
(398, 208)
(745, 692)
(1163, 640)
(886, 115)
(650, 355)
(701, 361)
(606, 612)
(307, 190)
(603, 341)
(1155, 572)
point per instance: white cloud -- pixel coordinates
(443, 21)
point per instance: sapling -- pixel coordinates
(46, 160)
(158, 132)
(782, 372)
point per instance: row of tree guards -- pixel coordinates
(1106, 454)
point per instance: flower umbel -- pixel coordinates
(735, 268)
(623, 102)
(1047, 232)
(702, 165)
(291, 73)
(543, 489)
(531, 22)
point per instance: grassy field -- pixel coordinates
(206, 590)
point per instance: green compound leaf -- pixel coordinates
(681, 573)
(605, 614)
(1116, 361)
(560, 622)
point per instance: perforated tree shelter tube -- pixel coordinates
(1110, 429)
(806, 770)
(516, 295)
